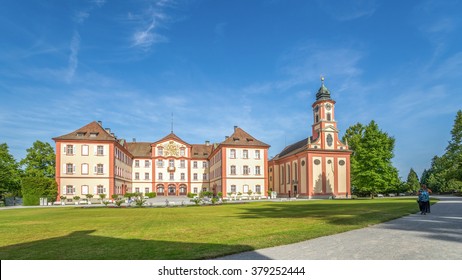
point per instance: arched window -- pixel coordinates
(328, 117)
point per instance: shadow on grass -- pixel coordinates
(341, 212)
(83, 245)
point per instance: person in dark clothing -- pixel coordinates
(424, 200)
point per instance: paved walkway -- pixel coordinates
(435, 236)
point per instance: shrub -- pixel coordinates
(191, 195)
(115, 196)
(220, 195)
(151, 194)
(33, 188)
(76, 198)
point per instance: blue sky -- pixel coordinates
(216, 64)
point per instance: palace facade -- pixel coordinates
(92, 160)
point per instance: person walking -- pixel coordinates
(424, 200)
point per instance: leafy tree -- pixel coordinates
(372, 171)
(33, 188)
(412, 183)
(424, 177)
(445, 174)
(10, 174)
(40, 160)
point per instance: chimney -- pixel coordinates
(226, 137)
(134, 140)
(207, 143)
(100, 123)
(235, 127)
(108, 130)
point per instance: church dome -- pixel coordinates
(323, 92)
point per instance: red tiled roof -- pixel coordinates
(139, 149)
(91, 131)
(242, 138)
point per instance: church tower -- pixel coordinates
(324, 128)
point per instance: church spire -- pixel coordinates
(323, 92)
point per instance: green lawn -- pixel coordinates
(182, 232)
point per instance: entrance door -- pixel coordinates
(171, 190)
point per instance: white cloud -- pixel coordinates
(73, 57)
(148, 24)
(348, 10)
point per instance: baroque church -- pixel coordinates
(317, 166)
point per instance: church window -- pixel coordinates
(341, 162)
(317, 162)
(328, 117)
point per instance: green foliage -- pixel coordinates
(445, 174)
(412, 183)
(372, 171)
(128, 195)
(40, 160)
(115, 196)
(33, 188)
(220, 194)
(89, 196)
(191, 195)
(76, 198)
(206, 194)
(118, 202)
(151, 194)
(10, 173)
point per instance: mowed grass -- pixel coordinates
(183, 232)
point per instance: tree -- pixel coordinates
(10, 174)
(445, 174)
(40, 160)
(372, 171)
(412, 183)
(33, 188)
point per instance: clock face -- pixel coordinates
(328, 106)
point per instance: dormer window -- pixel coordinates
(80, 134)
(93, 134)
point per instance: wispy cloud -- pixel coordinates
(348, 10)
(147, 34)
(73, 57)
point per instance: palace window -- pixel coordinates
(245, 154)
(99, 168)
(147, 164)
(194, 164)
(182, 151)
(257, 170)
(84, 150)
(232, 153)
(182, 176)
(137, 163)
(100, 189)
(204, 164)
(160, 151)
(146, 190)
(100, 150)
(182, 163)
(84, 169)
(69, 168)
(70, 149)
(233, 188)
(171, 163)
(258, 189)
(160, 176)
(204, 176)
(257, 154)
(195, 176)
(160, 163)
(233, 169)
(172, 176)
(146, 176)
(69, 189)
(246, 170)
(137, 175)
